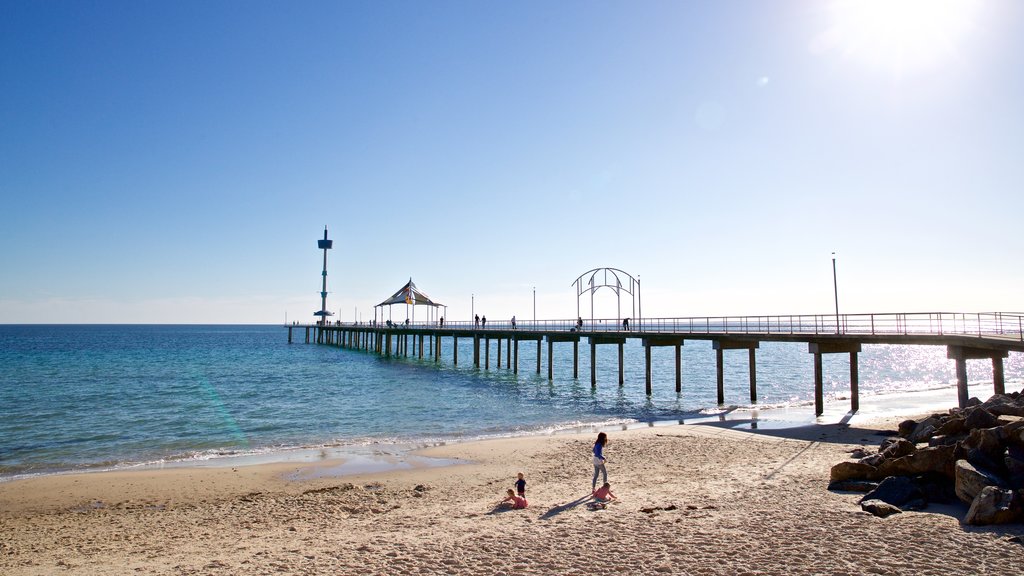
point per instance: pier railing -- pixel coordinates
(1001, 325)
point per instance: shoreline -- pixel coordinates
(370, 456)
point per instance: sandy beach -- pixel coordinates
(694, 499)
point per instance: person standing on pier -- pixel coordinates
(483, 322)
(513, 322)
(476, 321)
(599, 460)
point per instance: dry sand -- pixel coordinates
(695, 499)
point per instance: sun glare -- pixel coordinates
(904, 35)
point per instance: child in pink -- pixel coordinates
(512, 501)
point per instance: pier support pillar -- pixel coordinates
(720, 363)
(508, 353)
(575, 359)
(851, 347)
(964, 353)
(487, 352)
(752, 362)
(455, 350)
(289, 334)
(551, 354)
(437, 348)
(593, 364)
(679, 368)
(538, 356)
(499, 353)
(515, 356)
(622, 379)
(854, 383)
(421, 347)
(476, 350)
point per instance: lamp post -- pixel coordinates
(835, 290)
(472, 306)
(535, 305)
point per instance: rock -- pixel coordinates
(995, 506)
(906, 428)
(932, 459)
(852, 486)
(924, 430)
(953, 425)
(978, 417)
(984, 448)
(970, 481)
(1014, 471)
(935, 488)
(1004, 405)
(895, 490)
(898, 448)
(873, 460)
(853, 471)
(879, 508)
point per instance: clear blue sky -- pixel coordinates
(177, 161)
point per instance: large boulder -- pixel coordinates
(924, 430)
(897, 490)
(995, 506)
(897, 448)
(984, 448)
(932, 459)
(979, 417)
(1005, 405)
(970, 481)
(952, 426)
(853, 471)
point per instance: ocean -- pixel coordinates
(88, 397)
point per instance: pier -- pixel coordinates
(966, 336)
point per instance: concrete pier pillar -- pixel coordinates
(622, 375)
(647, 368)
(679, 368)
(538, 356)
(551, 354)
(720, 363)
(854, 383)
(752, 362)
(575, 359)
(499, 353)
(289, 334)
(819, 396)
(487, 352)
(593, 363)
(455, 350)
(998, 383)
(515, 356)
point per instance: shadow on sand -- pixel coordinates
(556, 510)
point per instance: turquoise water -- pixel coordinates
(85, 396)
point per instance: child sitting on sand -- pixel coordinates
(521, 485)
(512, 501)
(602, 497)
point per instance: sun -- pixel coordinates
(903, 35)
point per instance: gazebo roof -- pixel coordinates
(410, 294)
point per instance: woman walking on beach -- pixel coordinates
(599, 460)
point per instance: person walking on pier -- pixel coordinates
(599, 460)
(476, 321)
(513, 322)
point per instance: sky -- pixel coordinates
(176, 162)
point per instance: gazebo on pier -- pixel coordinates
(412, 297)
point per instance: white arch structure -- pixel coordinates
(615, 279)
